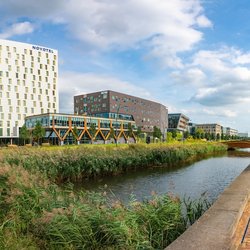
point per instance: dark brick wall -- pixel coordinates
(146, 113)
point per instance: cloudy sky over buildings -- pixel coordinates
(191, 55)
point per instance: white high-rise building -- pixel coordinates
(28, 84)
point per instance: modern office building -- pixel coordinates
(213, 128)
(110, 104)
(28, 84)
(178, 121)
(67, 129)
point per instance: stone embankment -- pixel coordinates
(218, 227)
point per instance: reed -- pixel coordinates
(80, 162)
(40, 215)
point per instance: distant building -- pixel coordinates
(229, 131)
(111, 104)
(213, 128)
(243, 135)
(178, 121)
(28, 84)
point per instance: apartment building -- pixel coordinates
(111, 104)
(28, 84)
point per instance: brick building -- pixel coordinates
(111, 104)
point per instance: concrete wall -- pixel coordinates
(215, 229)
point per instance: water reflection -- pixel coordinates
(209, 176)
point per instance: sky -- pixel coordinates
(193, 56)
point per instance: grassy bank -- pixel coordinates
(79, 162)
(37, 214)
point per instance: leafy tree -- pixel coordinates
(24, 133)
(130, 130)
(169, 137)
(75, 134)
(156, 132)
(186, 134)
(179, 136)
(138, 131)
(38, 132)
(212, 136)
(174, 133)
(198, 133)
(112, 133)
(222, 136)
(92, 131)
(218, 137)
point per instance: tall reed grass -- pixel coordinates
(37, 214)
(77, 163)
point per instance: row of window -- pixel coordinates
(24, 63)
(26, 110)
(17, 109)
(18, 82)
(63, 121)
(26, 70)
(26, 92)
(34, 77)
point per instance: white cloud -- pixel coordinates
(73, 83)
(17, 29)
(204, 21)
(164, 28)
(219, 77)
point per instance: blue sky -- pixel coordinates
(191, 55)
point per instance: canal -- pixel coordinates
(207, 177)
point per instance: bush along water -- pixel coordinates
(76, 163)
(37, 214)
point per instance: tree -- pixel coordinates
(130, 130)
(198, 133)
(169, 137)
(138, 131)
(156, 132)
(218, 137)
(186, 134)
(174, 133)
(92, 131)
(38, 132)
(112, 133)
(213, 136)
(75, 134)
(24, 133)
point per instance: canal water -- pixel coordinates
(207, 177)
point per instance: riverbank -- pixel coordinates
(37, 214)
(73, 164)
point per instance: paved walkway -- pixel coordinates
(241, 237)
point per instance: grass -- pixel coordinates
(35, 213)
(39, 215)
(75, 163)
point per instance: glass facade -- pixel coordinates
(115, 116)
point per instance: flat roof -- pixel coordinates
(120, 94)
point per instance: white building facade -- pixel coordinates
(28, 84)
